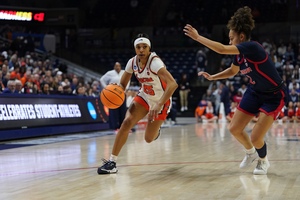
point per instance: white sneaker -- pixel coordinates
(248, 160)
(261, 167)
(182, 109)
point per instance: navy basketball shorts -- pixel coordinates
(269, 103)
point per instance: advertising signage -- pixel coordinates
(22, 15)
(22, 111)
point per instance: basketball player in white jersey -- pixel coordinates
(153, 99)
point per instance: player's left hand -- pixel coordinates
(191, 32)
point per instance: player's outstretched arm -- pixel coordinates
(218, 47)
(229, 72)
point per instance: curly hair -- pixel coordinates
(242, 21)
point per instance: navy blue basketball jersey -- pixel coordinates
(255, 63)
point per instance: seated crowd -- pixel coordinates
(34, 75)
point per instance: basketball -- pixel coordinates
(112, 96)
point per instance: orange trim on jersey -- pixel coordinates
(163, 84)
(164, 112)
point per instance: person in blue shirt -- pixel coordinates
(266, 93)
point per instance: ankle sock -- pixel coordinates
(250, 151)
(113, 158)
(262, 152)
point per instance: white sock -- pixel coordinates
(250, 151)
(263, 159)
(113, 158)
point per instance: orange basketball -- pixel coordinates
(112, 96)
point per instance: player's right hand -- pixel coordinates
(205, 75)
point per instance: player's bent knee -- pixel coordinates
(128, 123)
(234, 129)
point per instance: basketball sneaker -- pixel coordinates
(248, 160)
(261, 167)
(108, 167)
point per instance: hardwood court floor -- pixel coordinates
(194, 161)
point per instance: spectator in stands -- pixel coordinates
(233, 106)
(184, 89)
(265, 93)
(199, 111)
(289, 113)
(15, 73)
(243, 88)
(289, 54)
(297, 112)
(2, 87)
(293, 85)
(201, 59)
(67, 90)
(19, 86)
(296, 73)
(225, 62)
(4, 70)
(74, 82)
(60, 89)
(81, 91)
(29, 88)
(294, 96)
(26, 77)
(45, 89)
(208, 96)
(94, 89)
(116, 116)
(281, 49)
(11, 87)
(232, 91)
(35, 79)
(6, 78)
(288, 65)
(173, 113)
(209, 113)
(238, 97)
(297, 62)
(225, 97)
(12, 62)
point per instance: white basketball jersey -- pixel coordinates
(152, 87)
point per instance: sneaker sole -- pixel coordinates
(101, 172)
(261, 172)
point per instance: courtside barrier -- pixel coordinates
(24, 115)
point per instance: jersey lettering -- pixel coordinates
(148, 89)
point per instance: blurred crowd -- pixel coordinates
(38, 74)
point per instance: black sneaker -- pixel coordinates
(158, 134)
(108, 167)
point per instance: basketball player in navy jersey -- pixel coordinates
(266, 93)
